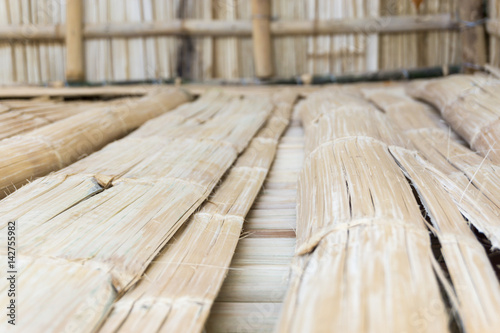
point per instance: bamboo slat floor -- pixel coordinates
(251, 296)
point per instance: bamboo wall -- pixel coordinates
(494, 32)
(27, 61)
(230, 55)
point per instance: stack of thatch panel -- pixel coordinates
(54, 146)
(141, 234)
(371, 178)
(96, 225)
(470, 105)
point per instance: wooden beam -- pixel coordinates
(261, 36)
(473, 37)
(74, 41)
(384, 24)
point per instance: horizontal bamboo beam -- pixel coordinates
(369, 25)
(384, 24)
(33, 32)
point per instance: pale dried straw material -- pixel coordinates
(473, 277)
(52, 147)
(363, 259)
(113, 211)
(471, 180)
(17, 116)
(174, 297)
(470, 105)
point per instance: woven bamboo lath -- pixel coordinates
(111, 213)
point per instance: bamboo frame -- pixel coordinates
(473, 38)
(194, 27)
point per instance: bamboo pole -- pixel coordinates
(74, 41)
(262, 47)
(195, 27)
(473, 38)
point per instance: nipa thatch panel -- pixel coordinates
(357, 218)
(470, 105)
(118, 221)
(473, 277)
(52, 147)
(174, 297)
(18, 116)
(470, 179)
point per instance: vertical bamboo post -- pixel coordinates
(74, 41)
(473, 37)
(261, 34)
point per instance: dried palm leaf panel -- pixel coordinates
(406, 113)
(121, 205)
(57, 145)
(473, 277)
(19, 117)
(470, 105)
(174, 297)
(363, 260)
(471, 180)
